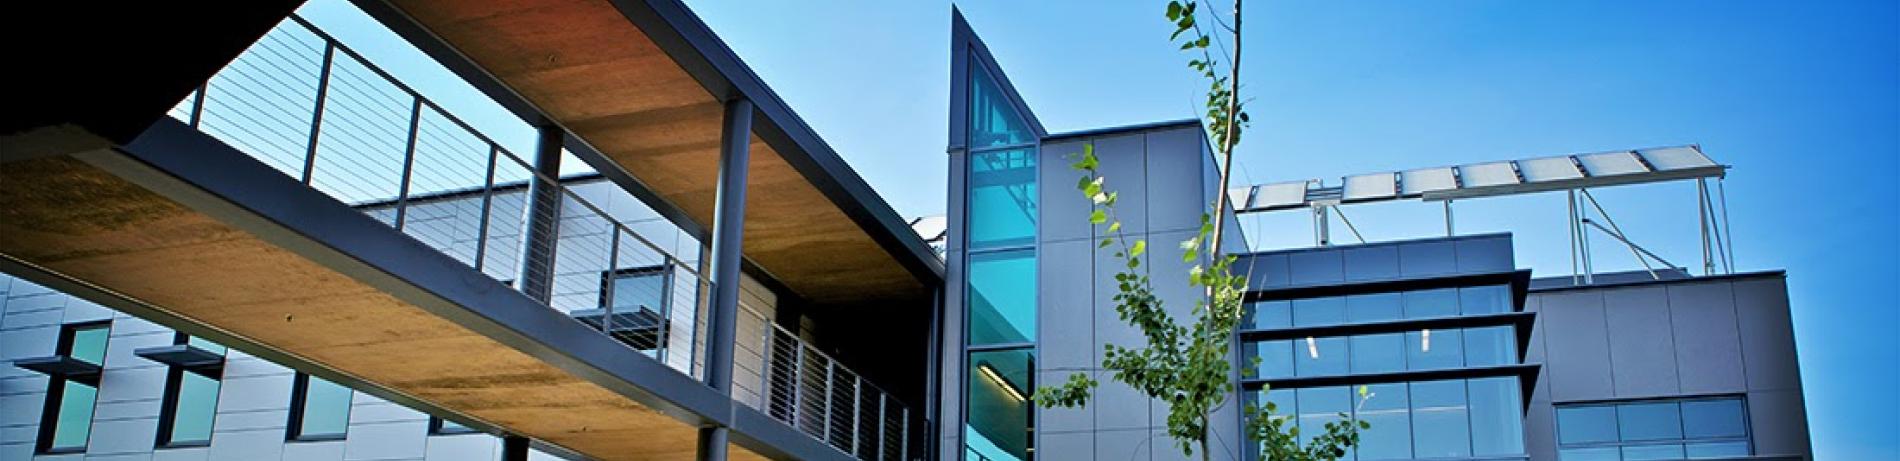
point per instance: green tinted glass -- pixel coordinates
(1002, 297)
(74, 425)
(1002, 206)
(998, 426)
(326, 409)
(89, 344)
(205, 344)
(194, 410)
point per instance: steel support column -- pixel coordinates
(544, 217)
(735, 140)
(514, 448)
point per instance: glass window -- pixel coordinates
(1433, 349)
(1440, 420)
(998, 425)
(1380, 353)
(1713, 419)
(1492, 299)
(1002, 297)
(1589, 424)
(1388, 409)
(89, 344)
(66, 420)
(1320, 357)
(205, 344)
(993, 120)
(1321, 405)
(1276, 359)
(1269, 315)
(1490, 346)
(193, 407)
(1002, 208)
(1378, 307)
(1716, 450)
(1431, 303)
(1497, 422)
(1319, 311)
(637, 314)
(73, 425)
(320, 409)
(1649, 421)
(1649, 452)
(1590, 454)
(441, 426)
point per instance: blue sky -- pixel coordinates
(1802, 98)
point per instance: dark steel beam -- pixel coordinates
(544, 217)
(735, 142)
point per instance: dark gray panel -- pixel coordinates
(1123, 161)
(1708, 344)
(1639, 335)
(1065, 286)
(1130, 445)
(1761, 306)
(1117, 403)
(1778, 422)
(1177, 198)
(1371, 263)
(1064, 447)
(1577, 347)
(1427, 258)
(1117, 406)
(1534, 352)
(1063, 211)
(1056, 420)
(1540, 430)
(1316, 267)
(1485, 254)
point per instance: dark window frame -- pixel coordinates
(168, 409)
(56, 390)
(437, 427)
(299, 393)
(1747, 438)
(665, 271)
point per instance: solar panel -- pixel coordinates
(1281, 195)
(1676, 158)
(1612, 164)
(1370, 187)
(1240, 198)
(1548, 169)
(1416, 182)
(1488, 174)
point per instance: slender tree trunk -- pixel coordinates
(1205, 455)
(1227, 151)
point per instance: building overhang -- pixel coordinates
(638, 88)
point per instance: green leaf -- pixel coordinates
(1174, 11)
(1115, 227)
(1105, 243)
(1098, 217)
(1141, 246)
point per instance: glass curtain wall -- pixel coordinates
(1001, 273)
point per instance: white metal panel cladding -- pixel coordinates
(1240, 198)
(1487, 179)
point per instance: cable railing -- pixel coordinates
(315, 110)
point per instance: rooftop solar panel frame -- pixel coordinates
(1369, 187)
(1601, 169)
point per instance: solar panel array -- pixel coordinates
(1486, 179)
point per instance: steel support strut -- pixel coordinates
(728, 223)
(544, 213)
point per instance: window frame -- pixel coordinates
(1032, 148)
(299, 395)
(665, 272)
(1684, 441)
(168, 408)
(56, 390)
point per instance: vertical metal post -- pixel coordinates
(798, 384)
(881, 398)
(767, 355)
(316, 117)
(198, 104)
(1583, 243)
(1571, 222)
(1448, 228)
(514, 448)
(1325, 228)
(735, 139)
(408, 161)
(488, 200)
(903, 437)
(831, 367)
(607, 295)
(1702, 213)
(857, 413)
(1728, 253)
(544, 216)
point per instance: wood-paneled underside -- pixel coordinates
(599, 75)
(70, 217)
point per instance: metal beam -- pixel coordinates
(544, 217)
(735, 140)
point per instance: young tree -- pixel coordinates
(1189, 366)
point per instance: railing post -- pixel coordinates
(488, 200)
(544, 215)
(767, 354)
(607, 289)
(831, 368)
(881, 425)
(798, 386)
(903, 437)
(316, 117)
(735, 142)
(408, 161)
(857, 413)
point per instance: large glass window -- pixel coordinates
(1480, 417)
(1002, 297)
(66, 421)
(993, 120)
(1497, 416)
(636, 314)
(1389, 411)
(1440, 420)
(1002, 208)
(999, 420)
(191, 400)
(1654, 429)
(319, 409)
(1417, 350)
(1378, 307)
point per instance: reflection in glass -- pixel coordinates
(1590, 424)
(1590, 454)
(1649, 421)
(1491, 299)
(1716, 450)
(1376, 307)
(1434, 349)
(1311, 312)
(194, 409)
(1713, 419)
(89, 344)
(1269, 315)
(1002, 208)
(1440, 420)
(1497, 423)
(1649, 452)
(1321, 405)
(1380, 353)
(1389, 411)
(1002, 297)
(1490, 346)
(1276, 359)
(74, 425)
(326, 410)
(998, 426)
(1320, 357)
(993, 120)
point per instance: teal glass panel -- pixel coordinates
(1312, 312)
(1704, 419)
(1492, 299)
(997, 427)
(1002, 297)
(993, 119)
(1320, 357)
(1490, 346)
(196, 407)
(1423, 304)
(1497, 421)
(1440, 420)
(1649, 421)
(326, 410)
(89, 344)
(1002, 208)
(205, 344)
(1592, 424)
(1716, 450)
(1321, 405)
(1378, 307)
(1269, 315)
(1380, 353)
(74, 424)
(1388, 409)
(1433, 349)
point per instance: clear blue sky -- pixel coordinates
(1802, 98)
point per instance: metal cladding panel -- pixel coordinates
(1612, 163)
(1676, 158)
(1549, 169)
(1416, 182)
(1488, 174)
(1241, 198)
(1370, 187)
(1281, 195)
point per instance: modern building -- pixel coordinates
(264, 245)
